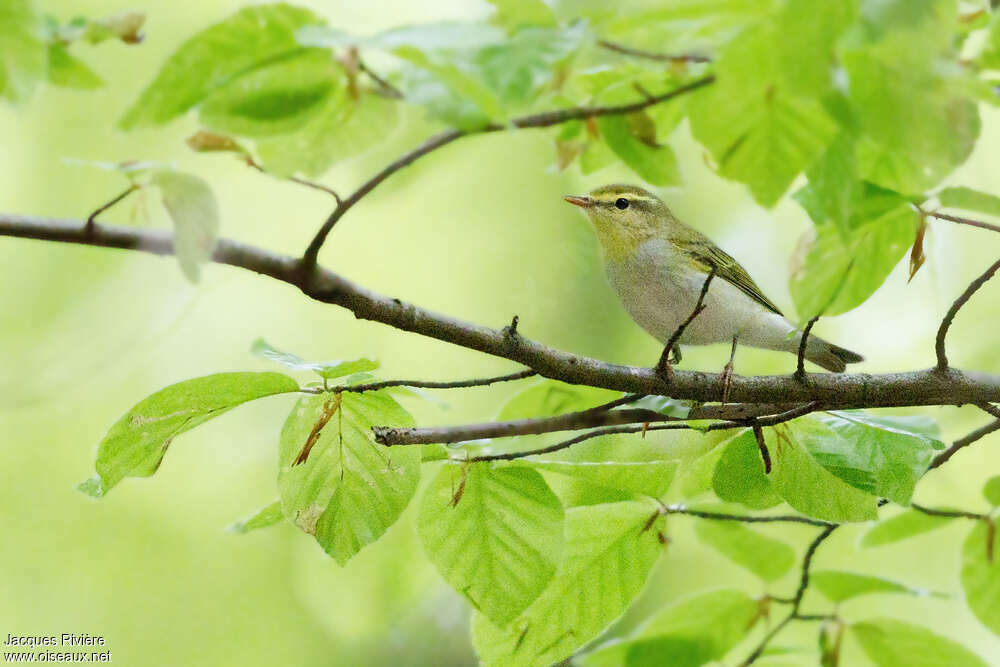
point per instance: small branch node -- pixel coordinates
(800, 368)
(90, 227)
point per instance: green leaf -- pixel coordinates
(809, 487)
(648, 478)
(905, 524)
(871, 454)
(656, 166)
(758, 129)
(135, 445)
(970, 200)
(833, 187)
(918, 122)
(192, 207)
(348, 490)
(517, 13)
(991, 490)
(551, 397)
(981, 575)
(689, 633)
(263, 518)
(609, 552)
(739, 474)
(840, 586)
(68, 71)
(23, 57)
(494, 534)
(889, 643)
(342, 129)
(832, 274)
(328, 370)
(671, 407)
(274, 99)
(217, 56)
(765, 556)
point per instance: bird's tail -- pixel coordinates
(830, 356)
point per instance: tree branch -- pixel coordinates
(544, 119)
(964, 442)
(942, 358)
(429, 384)
(92, 218)
(745, 518)
(832, 391)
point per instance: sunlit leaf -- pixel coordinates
(68, 71)
(905, 524)
(839, 586)
(833, 274)
(274, 99)
(551, 397)
(335, 481)
(656, 166)
(888, 643)
(609, 551)
(516, 13)
(268, 515)
(970, 200)
(217, 56)
(981, 575)
(765, 556)
(135, 445)
(649, 478)
(870, 454)
(494, 534)
(328, 370)
(991, 490)
(739, 475)
(23, 55)
(690, 633)
(809, 487)
(195, 213)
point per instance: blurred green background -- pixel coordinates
(477, 230)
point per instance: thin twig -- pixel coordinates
(430, 384)
(964, 442)
(765, 455)
(797, 599)
(962, 221)
(833, 391)
(92, 218)
(722, 516)
(652, 55)
(950, 514)
(942, 358)
(295, 179)
(664, 363)
(800, 369)
(596, 433)
(387, 89)
(544, 119)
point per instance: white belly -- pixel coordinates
(659, 299)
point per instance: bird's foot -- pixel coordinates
(664, 367)
(726, 380)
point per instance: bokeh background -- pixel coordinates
(477, 230)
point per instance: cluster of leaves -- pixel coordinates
(550, 551)
(35, 48)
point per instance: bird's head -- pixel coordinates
(624, 216)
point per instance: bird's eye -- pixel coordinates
(621, 203)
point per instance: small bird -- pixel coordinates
(659, 267)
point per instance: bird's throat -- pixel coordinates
(618, 242)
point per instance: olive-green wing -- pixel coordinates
(710, 256)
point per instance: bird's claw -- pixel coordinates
(726, 378)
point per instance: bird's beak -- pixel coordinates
(582, 202)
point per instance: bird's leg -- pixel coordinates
(726, 377)
(664, 367)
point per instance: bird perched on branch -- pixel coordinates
(665, 271)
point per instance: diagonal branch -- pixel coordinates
(965, 441)
(544, 119)
(652, 55)
(832, 391)
(942, 357)
(962, 221)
